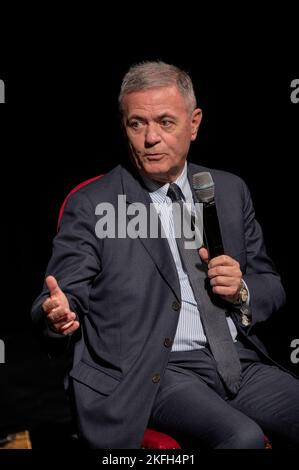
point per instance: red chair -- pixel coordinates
(80, 185)
(158, 440)
(152, 439)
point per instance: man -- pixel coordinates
(145, 353)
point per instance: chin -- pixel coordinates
(157, 171)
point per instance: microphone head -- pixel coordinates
(203, 186)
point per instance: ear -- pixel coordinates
(195, 122)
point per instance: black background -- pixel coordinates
(60, 126)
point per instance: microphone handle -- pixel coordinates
(212, 230)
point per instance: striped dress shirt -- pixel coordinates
(190, 334)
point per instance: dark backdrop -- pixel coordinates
(60, 126)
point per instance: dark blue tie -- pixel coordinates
(212, 316)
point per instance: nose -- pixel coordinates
(152, 136)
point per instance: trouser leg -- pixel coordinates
(187, 405)
(192, 401)
(270, 397)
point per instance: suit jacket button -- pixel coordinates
(156, 378)
(167, 342)
(176, 305)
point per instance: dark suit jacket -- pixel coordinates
(126, 293)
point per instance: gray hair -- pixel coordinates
(151, 74)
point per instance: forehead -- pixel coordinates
(154, 100)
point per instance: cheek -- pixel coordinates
(178, 146)
(136, 144)
(184, 141)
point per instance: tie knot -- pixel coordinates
(174, 192)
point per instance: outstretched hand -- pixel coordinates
(225, 275)
(56, 307)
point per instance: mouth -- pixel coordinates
(154, 156)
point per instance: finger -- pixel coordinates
(71, 329)
(225, 281)
(61, 314)
(66, 325)
(222, 260)
(59, 324)
(229, 271)
(204, 254)
(49, 304)
(52, 285)
(58, 328)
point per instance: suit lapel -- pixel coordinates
(157, 248)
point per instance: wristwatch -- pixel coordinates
(243, 294)
(241, 304)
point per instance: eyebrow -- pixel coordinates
(157, 118)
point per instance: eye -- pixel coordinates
(135, 124)
(166, 122)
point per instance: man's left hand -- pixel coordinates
(224, 274)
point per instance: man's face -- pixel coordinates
(159, 128)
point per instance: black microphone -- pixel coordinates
(204, 189)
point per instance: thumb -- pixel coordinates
(204, 254)
(52, 285)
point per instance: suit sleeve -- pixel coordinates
(75, 260)
(266, 291)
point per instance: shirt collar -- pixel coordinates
(158, 191)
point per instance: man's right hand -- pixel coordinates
(56, 307)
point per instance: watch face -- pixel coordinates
(243, 294)
(245, 320)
